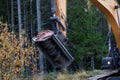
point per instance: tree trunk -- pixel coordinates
(8, 11)
(41, 63)
(12, 15)
(31, 14)
(19, 17)
(38, 15)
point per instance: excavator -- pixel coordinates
(53, 42)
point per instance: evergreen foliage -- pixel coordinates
(88, 29)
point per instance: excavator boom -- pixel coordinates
(110, 9)
(61, 12)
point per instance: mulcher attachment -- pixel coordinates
(53, 47)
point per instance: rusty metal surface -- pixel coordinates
(43, 35)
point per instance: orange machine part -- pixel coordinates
(61, 12)
(108, 9)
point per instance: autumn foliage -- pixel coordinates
(16, 54)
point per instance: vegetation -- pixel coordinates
(83, 75)
(88, 29)
(15, 55)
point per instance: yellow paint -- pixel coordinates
(61, 12)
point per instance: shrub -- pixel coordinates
(16, 55)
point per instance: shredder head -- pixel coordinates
(52, 46)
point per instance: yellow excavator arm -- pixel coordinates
(61, 12)
(110, 9)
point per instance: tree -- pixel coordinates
(85, 29)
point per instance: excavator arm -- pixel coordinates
(110, 9)
(61, 12)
